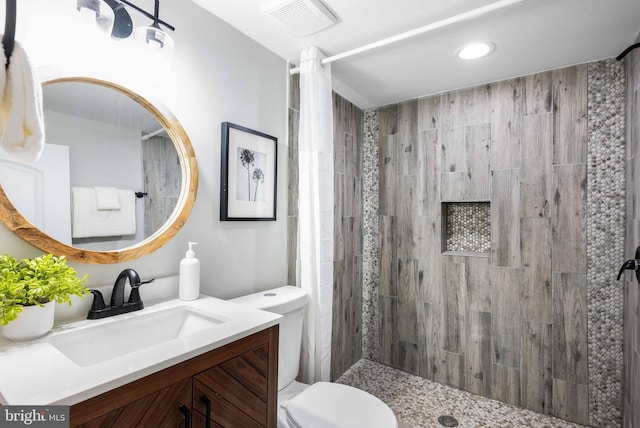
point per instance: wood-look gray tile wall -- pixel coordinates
(162, 178)
(346, 337)
(494, 325)
(512, 326)
(347, 273)
(292, 174)
(631, 377)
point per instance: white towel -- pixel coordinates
(107, 198)
(90, 222)
(22, 127)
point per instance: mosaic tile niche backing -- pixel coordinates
(467, 227)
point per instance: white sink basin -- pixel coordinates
(122, 335)
(89, 357)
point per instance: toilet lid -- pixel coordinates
(332, 405)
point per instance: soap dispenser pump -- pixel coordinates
(189, 282)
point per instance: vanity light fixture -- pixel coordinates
(99, 11)
(475, 50)
(121, 25)
(152, 34)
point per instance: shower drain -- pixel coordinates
(448, 421)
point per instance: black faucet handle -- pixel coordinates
(134, 295)
(98, 301)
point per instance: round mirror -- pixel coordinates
(116, 180)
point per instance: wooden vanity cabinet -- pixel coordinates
(234, 386)
(237, 391)
(158, 409)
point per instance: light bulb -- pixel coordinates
(96, 13)
(154, 37)
(475, 50)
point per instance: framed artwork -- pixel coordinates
(248, 174)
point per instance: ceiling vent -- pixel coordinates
(302, 17)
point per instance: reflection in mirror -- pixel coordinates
(99, 144)
(117, 178)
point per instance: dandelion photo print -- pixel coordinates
(252, 169)
(248, 174)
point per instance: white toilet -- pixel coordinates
(323, 404)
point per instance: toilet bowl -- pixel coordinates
(323, 404)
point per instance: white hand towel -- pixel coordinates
(107, 198)
(22, 126)
(89, 222)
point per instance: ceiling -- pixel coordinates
(530, 36)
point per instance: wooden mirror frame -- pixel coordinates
(19, 225)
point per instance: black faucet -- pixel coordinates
(118, 305)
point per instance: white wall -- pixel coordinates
(217, 75)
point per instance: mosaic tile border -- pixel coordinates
(370, 324)
(605, 239)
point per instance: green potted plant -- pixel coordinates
(29, 290)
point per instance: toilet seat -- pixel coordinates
(332, 405)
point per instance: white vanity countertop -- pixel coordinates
(35, 372)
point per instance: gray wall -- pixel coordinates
(631, 383)
(512, 325)
(346, 334)
(218, 74)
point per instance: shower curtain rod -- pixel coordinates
(145, 137)
(474, 13)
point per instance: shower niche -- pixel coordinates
(466, 228)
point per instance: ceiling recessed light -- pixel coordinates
(475, 50)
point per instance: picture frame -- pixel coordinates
(248, 180)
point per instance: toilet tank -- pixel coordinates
(289, 302)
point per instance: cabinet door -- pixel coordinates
(159, 409)
(237, 389)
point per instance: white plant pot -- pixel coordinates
(32, 322)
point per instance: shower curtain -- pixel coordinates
(315, 214)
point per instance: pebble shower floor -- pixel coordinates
(418, 402)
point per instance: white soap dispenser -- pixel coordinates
(189, 282)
